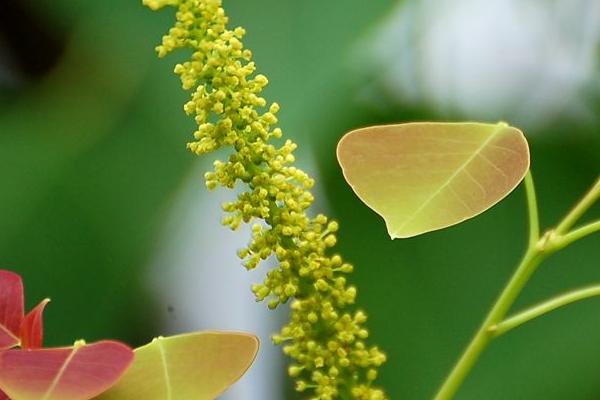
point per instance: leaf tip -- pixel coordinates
(393, 235)
(32, 327)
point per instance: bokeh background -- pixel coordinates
(103, 210)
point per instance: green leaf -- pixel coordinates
(197, 366)
(425, 176)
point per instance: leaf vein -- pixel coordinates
(60, 374)
(165, 370)
(464, 165)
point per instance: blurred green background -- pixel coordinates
(92, 156)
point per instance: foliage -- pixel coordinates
(197, 365)
(192, 366)
(392, 143)
(79, 372)
(426, 176)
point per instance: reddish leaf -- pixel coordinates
(3, 396)
(32, 327)
(11, 308)
(70, 373)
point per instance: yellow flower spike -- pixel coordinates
(226, 103)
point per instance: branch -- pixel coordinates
(543, 308)
(577, 234)
(588, 200)
(532, 207)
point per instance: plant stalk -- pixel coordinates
(532, 208)
(538, 249)
(526, 268)
(544, 308)
(586, 202)
(577, 234)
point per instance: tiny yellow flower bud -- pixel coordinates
(330, 241)
(321, 285)
(294, 370)
(290, 290)
(372, 374)
(301, 386)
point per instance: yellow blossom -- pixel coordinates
(324, 337)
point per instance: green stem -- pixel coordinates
(588, 200)
(544, 308)
(537, 250)
(576, 234)
(532, 207)
(532, 259)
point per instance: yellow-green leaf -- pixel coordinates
(198, 366)
(425, 176)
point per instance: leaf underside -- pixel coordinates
(11, 308)
(70, 373)
(422, 177)
(197, 366)
(32, 327)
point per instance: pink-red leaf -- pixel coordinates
(11, 308)
(80, 372)
(3, 396)
(32, 327)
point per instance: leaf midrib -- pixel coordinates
(165, 370)
(462, 167)
(60, 374)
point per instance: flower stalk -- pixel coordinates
(326, 337)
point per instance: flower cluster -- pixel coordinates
(324, 338)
